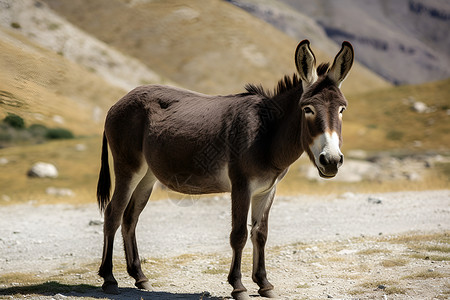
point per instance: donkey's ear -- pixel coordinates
(306, 64)
(342, 63)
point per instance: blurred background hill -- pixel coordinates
(63, 63)
(404, 41)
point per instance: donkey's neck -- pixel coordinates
(286, 145)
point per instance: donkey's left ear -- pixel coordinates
(305, 62)
(342, 63)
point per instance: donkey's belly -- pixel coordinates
(189, 183)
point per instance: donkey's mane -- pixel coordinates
(286, 84)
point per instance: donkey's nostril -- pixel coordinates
(323, 160)
(341, 161)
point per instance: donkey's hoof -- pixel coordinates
(268, 293)
(144, 285)
(240, 295)
(110, 288)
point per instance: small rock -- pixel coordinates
(419, 107)
(347, 195)
(374, 200)
(3, 161)
(329, 296)
(43, 170)
(60, 192)
(381, 287)
(413, 176)
(58, 119)
(417, 144)
(95, 222)
(80, 147)
(206, 294)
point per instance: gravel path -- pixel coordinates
(43, 238)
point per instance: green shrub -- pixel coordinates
(59, 133)
(15, 25)
(38, 130)
(14, 121)
(394, 135)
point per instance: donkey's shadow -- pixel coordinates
(58, 290)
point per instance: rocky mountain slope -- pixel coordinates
(209, 46)
(404, 41)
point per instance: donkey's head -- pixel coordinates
(322, 104)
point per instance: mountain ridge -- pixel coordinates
(404, 41)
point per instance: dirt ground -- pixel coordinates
(352, 246)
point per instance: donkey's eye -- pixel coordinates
(308, 110)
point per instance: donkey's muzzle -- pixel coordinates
(329, 164)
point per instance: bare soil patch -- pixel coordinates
(355, 246)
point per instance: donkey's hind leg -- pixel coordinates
(125, 184)
(260, 214)
(130, 218)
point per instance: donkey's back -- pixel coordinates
(186, 139)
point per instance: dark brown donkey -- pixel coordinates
(198, 144)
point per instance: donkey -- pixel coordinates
(198, 144)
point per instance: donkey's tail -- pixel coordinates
(104, 178)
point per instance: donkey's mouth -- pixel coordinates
(326, 176)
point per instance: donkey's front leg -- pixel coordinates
(240, 203)
(260, 214)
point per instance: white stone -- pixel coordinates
(80, 147)
(42, 170)
(58, 119)
(420, 107)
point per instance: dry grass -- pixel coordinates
(372, 251)
(396, 262)
(38, 85)
(426, 274)
(80, 177)
(384, 120)
(387, 286)
(415, 239)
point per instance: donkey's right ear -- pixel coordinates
(306, 64)
(342, 63)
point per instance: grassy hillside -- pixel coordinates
(43, 87)
(209, 46)
(385, 120)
